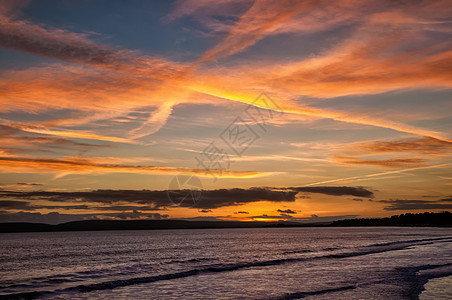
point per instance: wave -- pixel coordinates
(364, 250)
(417, 282)
(299, 251)
(299, 295)
(188, 261)
(409, 241)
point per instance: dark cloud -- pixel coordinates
(210, 199)
(335, 190)
(27, 206)
(316, 218)
(57, 218)
(22, 205)
(136, 215)
(286, 216)
(398, 204)
(157, 200)
(287, 211)
(313, 218)
(134, 204)
(357, 199)
(270, 217)
(233, 197)
(9, 204)
(124, 208)
(202, 218)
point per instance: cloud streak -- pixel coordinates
(262, 18)
(428, 146)
(86, 166)
(380, 174)
(397, 204)
(387, 163)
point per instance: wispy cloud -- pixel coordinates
(336, 72)
(388, 163)
(73, 134)
(376, 175)
(66, 166)
(22, 35)
(417, 204)
(262, 18)
(428, 146)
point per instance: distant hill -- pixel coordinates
(91, 225)
(443, 219)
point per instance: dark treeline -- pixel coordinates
(408, 219)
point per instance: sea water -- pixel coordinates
(246, 263)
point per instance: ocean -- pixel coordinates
(254, 263)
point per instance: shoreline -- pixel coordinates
(176, 225)
(429, 289)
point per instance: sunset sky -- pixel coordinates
(277, 110)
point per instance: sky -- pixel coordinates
(259, 110)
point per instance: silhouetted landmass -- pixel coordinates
(443, 219)
(91, 225)
(25, 227)
(408, 219)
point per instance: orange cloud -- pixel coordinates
(390, 163)
(361, 69)
(85, 165)
(389, 51)
(73, 134)
(372, 61)
(289, 106)
(429, 146)
(262, 18)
